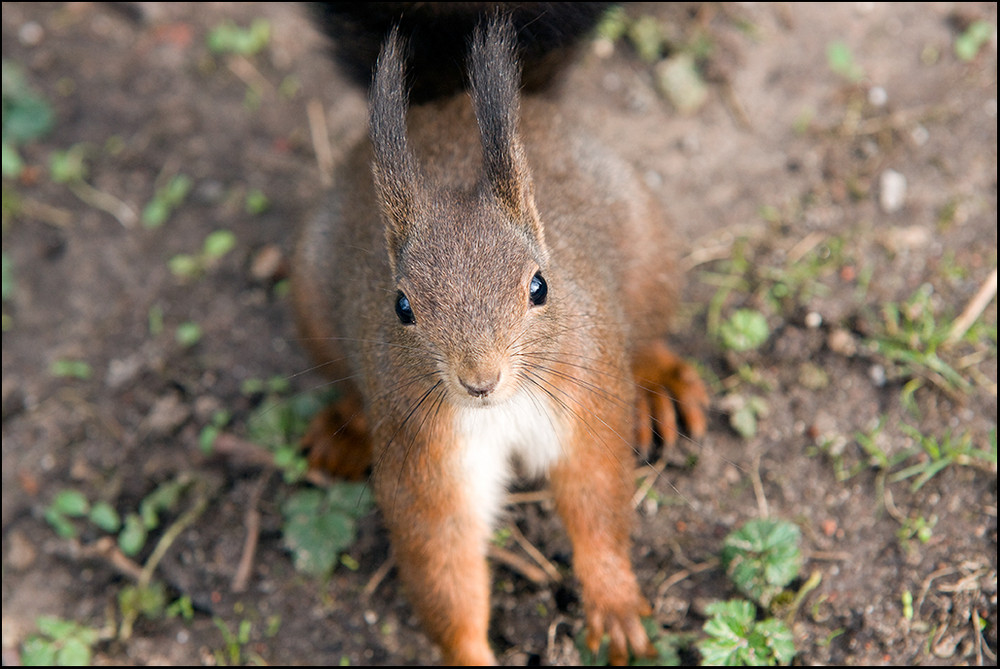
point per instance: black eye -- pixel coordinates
(537, 290)
(403, 309)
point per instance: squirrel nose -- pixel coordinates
(481, 387)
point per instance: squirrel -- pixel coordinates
(493, 288)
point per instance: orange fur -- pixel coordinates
(496, 286)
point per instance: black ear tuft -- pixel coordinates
(394, 168)
(494, 77)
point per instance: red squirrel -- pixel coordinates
(492, 287)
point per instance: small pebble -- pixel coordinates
(842, 342)
(31, 33)
(892, 191)
(877, 97)
(268, 264)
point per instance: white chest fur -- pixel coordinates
(524, 429)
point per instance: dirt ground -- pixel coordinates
(781, 186)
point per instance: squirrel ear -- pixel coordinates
(494, 78)
(394, 168)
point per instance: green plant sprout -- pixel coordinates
(230, 38)
(61, 643)
(146, 597)
(188, 334)
(71, 369)
(27, 116)
(911, 338)
(977, 35)
(942, 452)
(69, 167)
(841, 62)
(165, 201)
(232, 653)
(736, 638)
(745, 330)
(216, 245)
(762, 557)
(278, 425)
(320, 524)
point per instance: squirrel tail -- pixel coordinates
(438, 34)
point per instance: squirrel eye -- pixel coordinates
(537, 290)
(403, 309)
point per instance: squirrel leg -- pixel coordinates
(593, 488)
(439, 545)
(667, 386)
(337, 438)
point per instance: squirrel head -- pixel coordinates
(469, 264)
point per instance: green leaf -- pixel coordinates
(613, 25)
(74, 369)
(840, 60)
(230, 38)
(133, 535)
(218, 244)
(26, 115)
(744, 331)
(12, 163)
(184, 266)
(37, 651)
(177, 190)
(74, 653)
(68, 166)
(71, 503)
(149, 601)
(188, 334)
(7, 276)
(61, 524)
(155, 213)
(319, 525)
(68, 643)
(778, 638)
(762, 558)
(183, 607)
(647, 38)
(736, 639)
(105, 517)
(207, 437)
(968, 44)
(256, 202)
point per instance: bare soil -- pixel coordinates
(782, 166)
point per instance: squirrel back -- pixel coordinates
(437, 36)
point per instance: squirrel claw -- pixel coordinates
(624, 630)
(337, 439)
(667, 386)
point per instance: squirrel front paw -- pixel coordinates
(622, 622)
(337, 439)
(667, 385)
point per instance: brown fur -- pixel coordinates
(457, 208)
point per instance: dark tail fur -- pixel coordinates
(438, 35)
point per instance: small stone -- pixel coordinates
(813, 377)
(842, 342)
(813, 320)
(166, 416)
(678, 81)
(892, 191)
(21, 552)
(268, 264)
(877, 97)
(31, 33)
